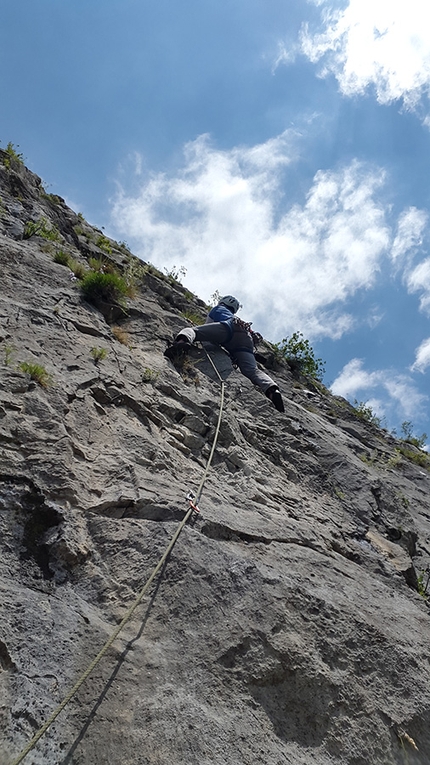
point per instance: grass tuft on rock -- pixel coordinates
(100, 287)
(37, 373)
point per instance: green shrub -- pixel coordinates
(61, 257)
(124, 246)
(175, 274)
(37, 373)
(149, 376)
(13, 156)
(98, 354)
(408, 436)
(395, 460)
(41, 228)
(154, 270)
(55, 199)
(193, 317)
(75, 266)
(104, 244)
(299, 354)
(339, 493)
(103, 265)
(366, 413)
(100, 287)
(419, 457)
(78, 268)
(422, 585)
(96, 264)
(8, 351)
(135, 271)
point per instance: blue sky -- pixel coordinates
(277, 149)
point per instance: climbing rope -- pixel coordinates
(193, 507)
(215, 438)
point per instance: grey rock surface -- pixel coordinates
(287, 625)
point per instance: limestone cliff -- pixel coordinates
(287, 625)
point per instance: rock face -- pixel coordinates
(287, 625)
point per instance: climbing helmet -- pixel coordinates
(230, 302)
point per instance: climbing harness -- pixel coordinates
(193, 500)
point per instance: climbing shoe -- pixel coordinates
(178, 349)
(273, 393)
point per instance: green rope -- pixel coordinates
(138, 598)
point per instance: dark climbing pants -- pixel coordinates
(240, 346)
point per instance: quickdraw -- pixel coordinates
(245, 326)
(191, 501)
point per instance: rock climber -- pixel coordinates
(222, 327)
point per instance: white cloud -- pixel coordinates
(223, 217)
(402, 390)
(409, 236)
(419, 281)
(411, 230)
(383, 43)
(397, 392)
(422, 357)
(285, 55)
(352, 379)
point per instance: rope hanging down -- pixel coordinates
(193, 508)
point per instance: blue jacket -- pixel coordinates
(222, 314)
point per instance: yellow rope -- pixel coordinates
(139, 597)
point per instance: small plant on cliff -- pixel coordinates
(41, 228)
(187, 369)
(135, 271)
(103, 265)
(37, 373)
(104, 244)
(96, 264)
(55, 199)
(61, 257)
(365, 412)
(423, 582)
(79, 231)
(395, 460)
(78, 269)
(13, 156)
(8, 351)
(369, 459)
(419, 457)
(408, 435)
(122, 336)
(175, 274)
(193, 317)
(339, 493)
(100, 287)
(98, 354)
(299, 354)
(214, 299)
(149, 376)
(151, 269)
